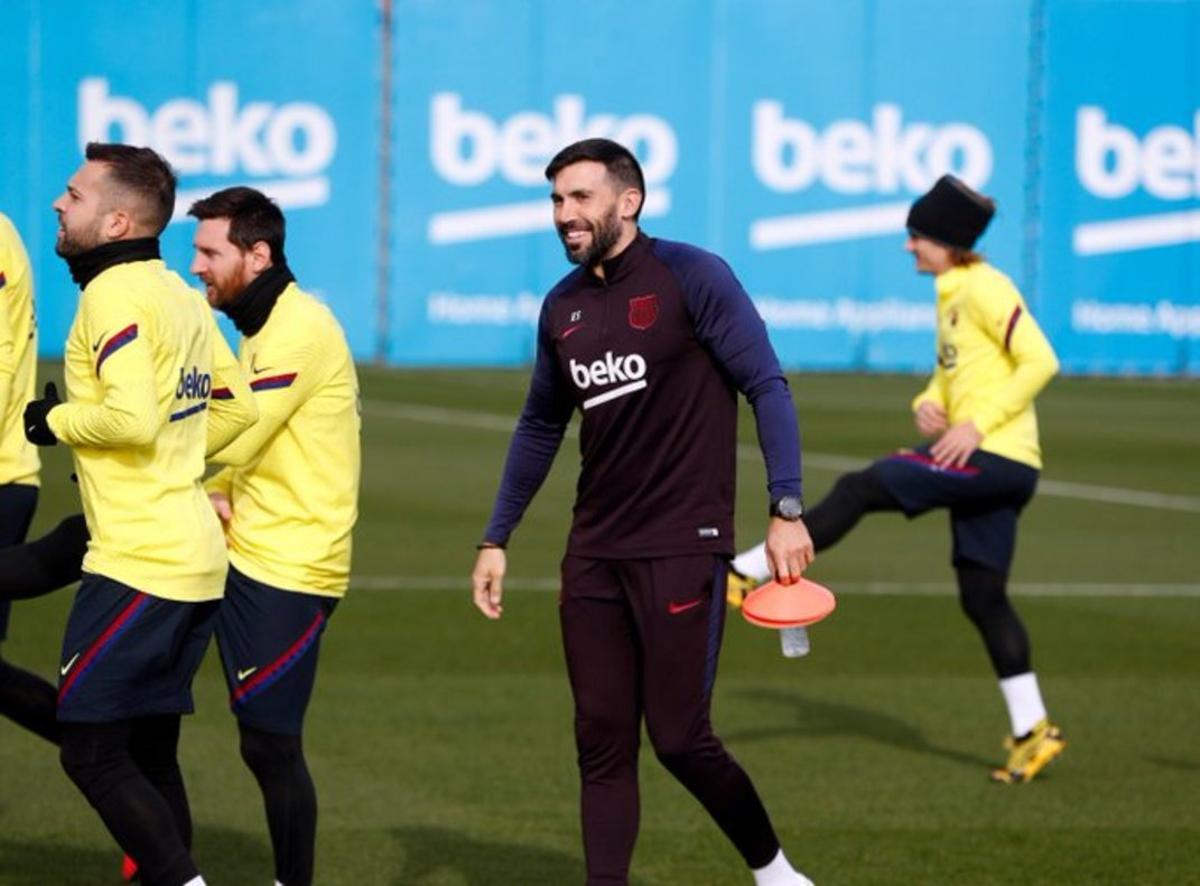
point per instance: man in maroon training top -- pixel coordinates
(651, 340)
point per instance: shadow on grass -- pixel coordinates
(34, 863)
(225, 855)
(826, 719)
(1175, 763)
(452, 857)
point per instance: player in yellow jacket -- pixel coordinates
(143, 360)
(984, 461)
(289, 499)
(25, 698)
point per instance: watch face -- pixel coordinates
(789, 508)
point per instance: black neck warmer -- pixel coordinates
(250, 310)
(86, 266)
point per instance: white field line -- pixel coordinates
(821, 461)
(462, 583)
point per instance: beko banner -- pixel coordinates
(789, 136)
(1120, 221)
(764, 136)
(267, 103)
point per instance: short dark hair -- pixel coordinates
(618, 160)
(143, 173)
(253, 216)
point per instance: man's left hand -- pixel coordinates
(957, 445)
(789, 549)
(37, 428)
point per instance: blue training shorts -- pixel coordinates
(269, 639)
(127, 654)
(984, 497)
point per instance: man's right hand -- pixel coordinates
(220, 503)
(487, 580)
(931, 419)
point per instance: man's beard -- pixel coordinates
(605, 234)
(77, 243)
(225, 291)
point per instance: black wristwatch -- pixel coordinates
(788, 507)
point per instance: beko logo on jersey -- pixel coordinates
(290, 145)
(193, 385)
(887, 156)
(1113, 162)
(627, 371)
(469, 148)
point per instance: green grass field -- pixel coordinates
(442, 746)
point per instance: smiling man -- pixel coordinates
(651, 341)
(288, 496)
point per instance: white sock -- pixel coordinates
(1024, 700)
(779, 873)
(753, 563)
(195, 881)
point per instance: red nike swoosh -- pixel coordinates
(676, 608)
(571, 329)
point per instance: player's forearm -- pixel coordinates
(778, 436)
(1036, 364)
(530, 457)
(221, 482)
(105, 426)
(229, 415)
(933, 392)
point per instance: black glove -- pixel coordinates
(37, 429)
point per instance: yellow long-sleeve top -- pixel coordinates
(143, 358)
(293, 478)
(19, 461)
(992, 360)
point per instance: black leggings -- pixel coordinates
(982, 592)
(30, 570)
(129, 773)
(290, 798)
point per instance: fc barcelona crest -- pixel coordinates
(643, 311)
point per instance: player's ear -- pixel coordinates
(629, 203)
(260, 256)
(117, 224)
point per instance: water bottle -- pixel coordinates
(794, 642)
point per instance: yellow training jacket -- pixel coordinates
(19, 461)
(292, 479)
(143, 358)
(992, 360)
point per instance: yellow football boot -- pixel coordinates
(1029, 755)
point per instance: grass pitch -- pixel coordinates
(441, 744)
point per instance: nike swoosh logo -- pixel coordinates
(96, 346)
(63, 670)
(255, 370)
(242, 675)
(676, 608)
(570, 330)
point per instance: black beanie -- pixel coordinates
(951, 213)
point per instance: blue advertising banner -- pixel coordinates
(825, 155)
(294, 116)
(1120, 225)
(789, 136)
(486, 94)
